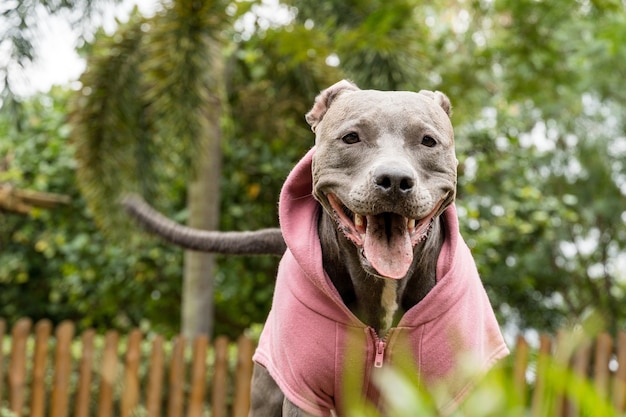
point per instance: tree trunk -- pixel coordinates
(203, 205)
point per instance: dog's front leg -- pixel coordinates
(266, 399)
(290, 410)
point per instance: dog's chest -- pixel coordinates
(388, 304)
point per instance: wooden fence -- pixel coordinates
(600, 362)
(60, 375)
(113, 376)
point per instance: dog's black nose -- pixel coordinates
(391, 179)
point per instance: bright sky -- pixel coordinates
(57, 62)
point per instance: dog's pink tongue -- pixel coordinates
(388, 246)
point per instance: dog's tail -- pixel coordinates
(258, 242)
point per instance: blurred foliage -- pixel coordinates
(543, 182)
(55, 263)
(539, 120)
(550, 386)
(496, 394)
(158, 119)
(540, 135)
(271, 86)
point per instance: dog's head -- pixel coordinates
(384, 167)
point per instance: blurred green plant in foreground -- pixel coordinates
(546, 385)
(495, 395)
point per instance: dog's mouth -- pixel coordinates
(386, 239)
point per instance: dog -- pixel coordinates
(374, 270)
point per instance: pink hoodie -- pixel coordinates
(304, 344)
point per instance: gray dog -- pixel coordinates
(374, 272)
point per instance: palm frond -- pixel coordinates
(110, 127)
(144, 109)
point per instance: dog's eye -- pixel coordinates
(351, 138)
(428, 141)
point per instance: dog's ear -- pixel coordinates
(439, 98)
(324, 100)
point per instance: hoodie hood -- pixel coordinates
(311, 337)
(298, 212)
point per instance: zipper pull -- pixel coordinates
(380, 354)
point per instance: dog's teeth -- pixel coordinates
(411, 224)
(358, 220)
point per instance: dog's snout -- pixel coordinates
(394, 179)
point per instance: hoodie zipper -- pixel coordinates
(380, 346)
(380, 352)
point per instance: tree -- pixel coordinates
(537, 113)
(54, 262)
(126, 129)
(528, 156)
(162, 112)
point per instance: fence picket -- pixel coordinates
(17, 367)
(520, 364)
(59, 401)
(245, 349)
(85, 376)
(177, 378)
(562, 355)
(43, 329)
(195, 407)
(580, 368)
(538, 400)
(220, 377)
(130, 393)
(604, 348)
(108, 374)
(3, 329)
(155, 378)
(619, 381)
